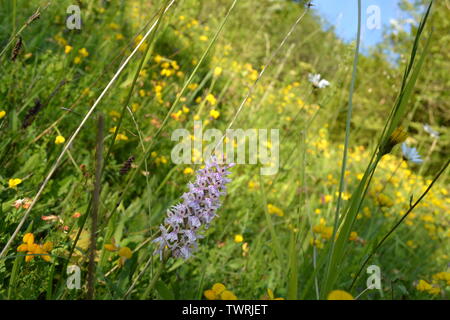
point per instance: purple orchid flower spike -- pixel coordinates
(197, 210)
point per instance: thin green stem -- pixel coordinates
(154, 279)
(346, 145)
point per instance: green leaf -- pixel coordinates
(164, 291)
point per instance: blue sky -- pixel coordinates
(343, 14)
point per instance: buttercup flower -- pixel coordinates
(214, 113)
(67, 49)
(60, 140)
(274, 210)
(13, 183)
(238, 238)
(83, 52)
(2, 114)
(217, 71)
(197, 210)
(211, 99)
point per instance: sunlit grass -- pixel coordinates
(344, 196)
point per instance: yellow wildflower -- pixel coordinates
(211, 99)
(353, 236)
(238, 238)
(316, 243)
(157, 58)
(442, 276)
(60, 140)
(121, 137)
(114, 114)
(32, 248)
(423, 286)
(68, 49)
(339, 295)
(210, 295)
(215, 292)
(83, 52)
(275, 210)
(167, 72)
(2, 114)
(192, 86)
(327, 232)
(218, 288)
(228, 295)
(217, 71)
(434, 290)
(214, 113)
(124, 253)
(252, 185)
(13, 183)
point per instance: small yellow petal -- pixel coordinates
(218, 288)
(210, 295)
(125, 252)
(28, 258)
(22, 248)
(46, 257)
(48, 246)
(228, 295)
(28, 238)
(13, 183)
(111, 247)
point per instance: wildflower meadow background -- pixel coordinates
(93, 207)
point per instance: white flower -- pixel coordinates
(317, 82)
(431, 131)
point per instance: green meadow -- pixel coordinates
(346, 197)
